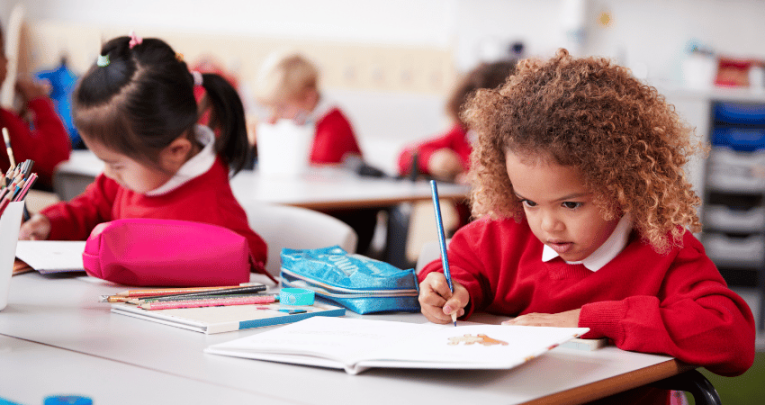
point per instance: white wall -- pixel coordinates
(648, 34)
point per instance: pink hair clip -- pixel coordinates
(134, 39)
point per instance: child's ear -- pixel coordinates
(177, 153)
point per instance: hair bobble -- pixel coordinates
(197, 78)
(134, 39)
(102, 61)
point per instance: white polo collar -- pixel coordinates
(323, 107)
(606, 252)
(196, 166)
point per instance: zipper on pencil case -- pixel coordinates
(340, 292)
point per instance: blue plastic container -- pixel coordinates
(738, 138)
(740, 114)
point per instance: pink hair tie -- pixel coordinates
(134, 39)
(197, 78)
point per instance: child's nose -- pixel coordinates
(551, 223)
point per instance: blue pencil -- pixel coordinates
(442, 242)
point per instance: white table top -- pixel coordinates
(62, 312)
(321, 188)
(32, 371)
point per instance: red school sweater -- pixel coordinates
(675, 304)
(47, 144)
(456, 139)
(207, 198)
(334, 138)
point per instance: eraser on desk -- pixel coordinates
(585, 344)
(296, 296)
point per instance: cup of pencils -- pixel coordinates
(14, 185)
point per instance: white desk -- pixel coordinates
(321, 188)
(62, 314)
(32, 371)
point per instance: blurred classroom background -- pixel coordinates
(390, 65)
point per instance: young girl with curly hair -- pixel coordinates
(585, 219)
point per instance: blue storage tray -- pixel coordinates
(742, 114)
(742, 139)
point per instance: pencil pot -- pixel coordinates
(284, 147)
(10, 222)
(359, 283)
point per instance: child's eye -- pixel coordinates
(572, 205)
(528, 203)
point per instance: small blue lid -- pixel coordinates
(67, 400)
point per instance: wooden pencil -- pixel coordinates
(149, 292)
(209, 302)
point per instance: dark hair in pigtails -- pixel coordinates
(228, 116)
(141, 99)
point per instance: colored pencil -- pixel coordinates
(153, 292)
(8, 148)
(210, 302)
(139, 301)
(442, 242)
(249, 290)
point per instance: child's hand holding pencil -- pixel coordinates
(441, 299)
(438, 303)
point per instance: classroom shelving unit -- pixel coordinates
(734, 193)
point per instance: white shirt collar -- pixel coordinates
(323, 107)
(606, 252)
(194, 167)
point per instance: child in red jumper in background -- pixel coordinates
(583, 206)
(447, 157)
(48, 143)
(136, 111)
(287, 84)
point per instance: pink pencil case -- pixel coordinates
(160, 252)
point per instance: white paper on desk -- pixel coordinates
(51, 256)
(358, 344)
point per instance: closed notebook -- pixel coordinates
(358, 344)
(220, 319)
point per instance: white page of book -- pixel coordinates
(51, 256)
(361, 343)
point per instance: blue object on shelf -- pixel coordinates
(741, 139)
(742, 114)
(63, 81)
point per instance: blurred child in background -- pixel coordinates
(287, 85)
(47, 142)
(447, 157)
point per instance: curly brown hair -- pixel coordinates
(630, 145)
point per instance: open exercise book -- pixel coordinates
(359, 344)
(48, 256)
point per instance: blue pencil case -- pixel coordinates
(357, 282)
